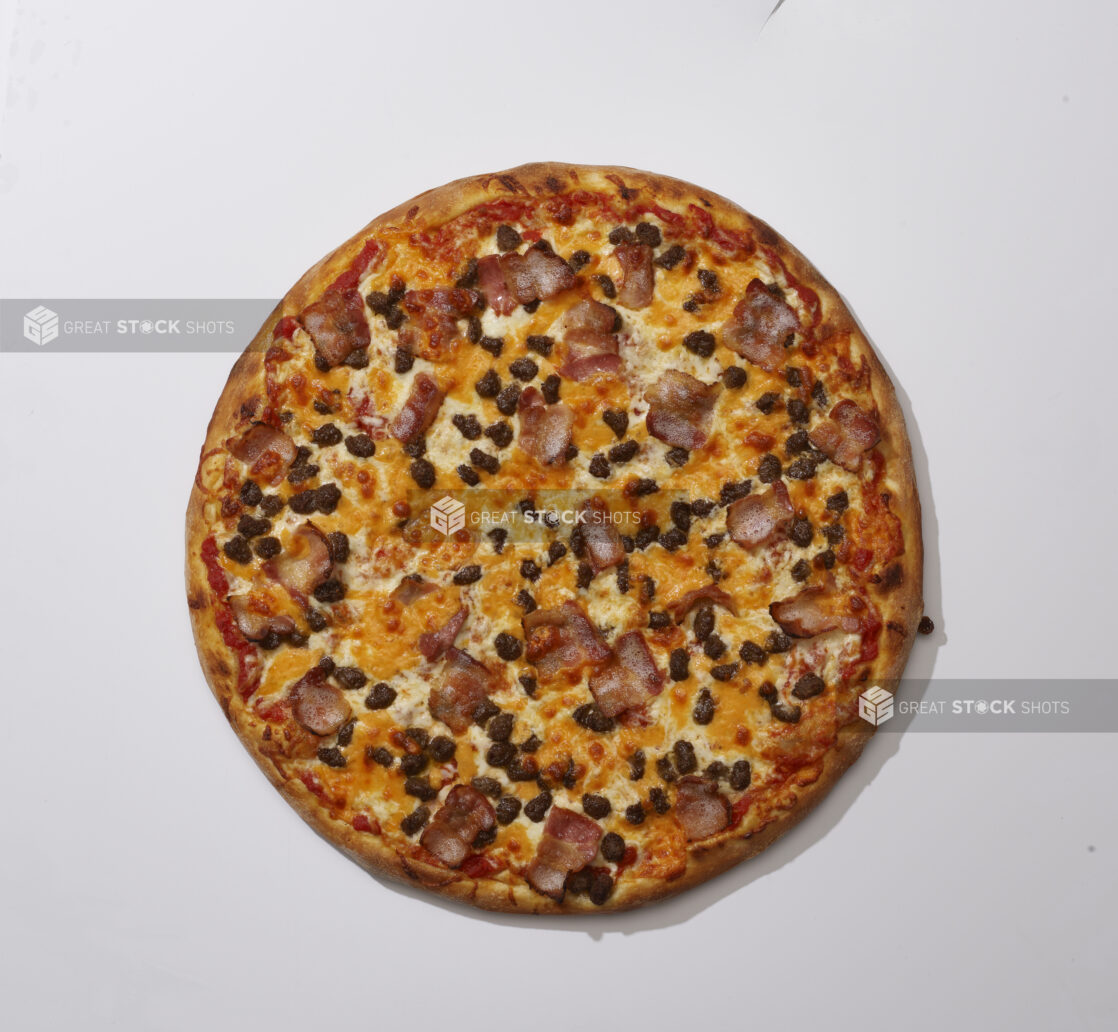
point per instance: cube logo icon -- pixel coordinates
(40, 325)
(447, 515)
(875, 705)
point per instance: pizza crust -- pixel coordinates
(901, 605)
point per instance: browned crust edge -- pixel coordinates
(905, 604)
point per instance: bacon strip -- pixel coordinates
(711, 593)
(570, 841)
(509, 280)
(465, 684)
(491, 280)
(319, 707)
(809, 613)
(456, 302)
(562, 639)
(537, 275)
(464, 815)
(759, 327)
(411, 588)
(758, 518)
(846, 435)
(589, 340)
(337, 325)
(434, 643)
(637, 275)
(267, 452)
(545, 430)
(679, 409)
(603, 542)
(419, 410)
(255, 621)
(305, 565)
(629, 679)
(433, 318)
(700, 808)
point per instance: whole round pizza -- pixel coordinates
(546, 536)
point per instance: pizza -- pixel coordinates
(546, 535)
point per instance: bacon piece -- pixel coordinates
(846, 435)
(305, 565)
(759, 326)
(456, 302)
(711, 593)
(491, 280)
(589, 340)
(701, 808)
(758, 518)
(465, 815)
(319, 707)
(545, 430)
(637, 275)
(434, 643)
(536, 275)
(590, 317)
(569, 842)
(419, 410)
(411, 589)
(562, 639)
(435, 313)
(466, 683)
(337, 325)
(255, 621)
(679, 409)
(603, 542)
(515, 279)
(809, 613)
(267, 452)
(629, 679)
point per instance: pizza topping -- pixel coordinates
(809, 613)
(603, 542)
(570, 841)
(700, 808)
(637, 276)
(680, 409)
(434, 643)
(435, 314)
(562, 639)
(267, 452)
(319, 707)
(515, 279)
(411, 588)
(465, 684)
(761, 327)
(846, 435)
(545, 430)
(337, 325)
(710, 593)
(590, 340)
(306, 565)
(464, 816)
(757, 520)
(419, 410)
(415, 820)
(254, 619)
(629, 679)
(491, 280)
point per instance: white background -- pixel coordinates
(949, 166)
